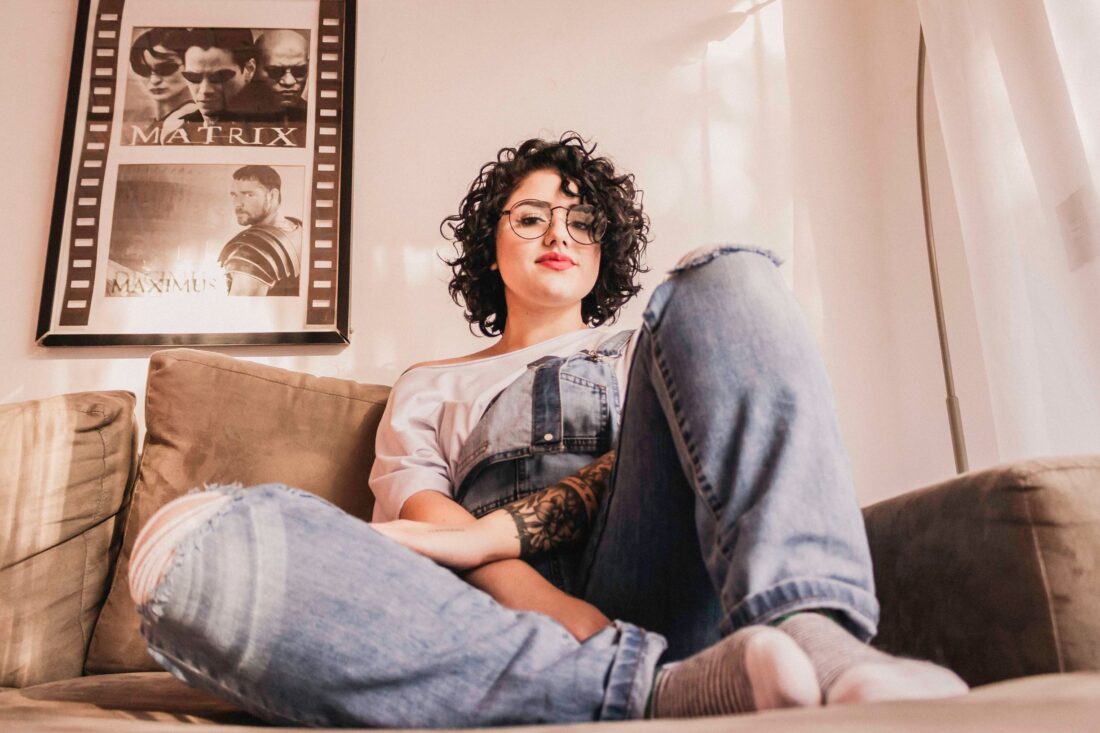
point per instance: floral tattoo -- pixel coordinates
(561, 514)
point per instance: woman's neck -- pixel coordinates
(168, 106)
(524, 329)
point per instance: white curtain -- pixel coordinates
(1020, 115)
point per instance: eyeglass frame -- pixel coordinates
(550, 221)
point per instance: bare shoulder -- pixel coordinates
(487, 352)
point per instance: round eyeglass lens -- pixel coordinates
(585, 224)
(531, 219)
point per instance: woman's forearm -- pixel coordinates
(558, 516)
(555, 517)
(517, 585)
(513, 583)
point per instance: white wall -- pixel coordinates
(692, 98)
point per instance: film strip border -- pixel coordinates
(87, 198)
(325, 212)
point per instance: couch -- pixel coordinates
(995, 574)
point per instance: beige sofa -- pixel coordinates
(995, 574)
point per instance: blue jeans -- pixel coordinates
(731, 504)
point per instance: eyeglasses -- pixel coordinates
(278, 72)
(220, 76)
(163, 69)
(530, 219)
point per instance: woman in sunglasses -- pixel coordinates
(615, 503)
(157, 57)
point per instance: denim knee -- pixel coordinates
(702, 255)
(710, 283)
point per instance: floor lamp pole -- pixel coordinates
(954, 417)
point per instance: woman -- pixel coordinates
(686, 480)
(157, 57)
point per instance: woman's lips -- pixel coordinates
(556, 263)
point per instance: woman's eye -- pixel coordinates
(583, 226)
(531, 220)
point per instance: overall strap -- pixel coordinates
(615, 345)
(546, 417)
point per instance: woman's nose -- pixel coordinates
(558, 231)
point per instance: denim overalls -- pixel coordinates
(560, 415)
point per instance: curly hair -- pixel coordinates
(473, 229)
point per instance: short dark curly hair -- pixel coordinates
(473, 229)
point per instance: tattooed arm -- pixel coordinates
(558, 516)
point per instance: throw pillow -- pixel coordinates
(211, 418)
(65, 464)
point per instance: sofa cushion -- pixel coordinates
(150, 701)
(65, 464)
(213, 419)
(144, 696)
(996, 573)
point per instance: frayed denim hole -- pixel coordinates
(723, 249)
(162, 592)
(280, 490)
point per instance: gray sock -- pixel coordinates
(756, 668)
(835, 652)
(830, 647)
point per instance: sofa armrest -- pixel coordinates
(996, 573)
(66, 466)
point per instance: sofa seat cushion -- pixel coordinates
(122, 703)
(133, 695)
(65, 464)
(211, 418)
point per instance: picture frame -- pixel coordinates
(203, 192)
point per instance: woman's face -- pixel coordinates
(554, 271)
(165, 83)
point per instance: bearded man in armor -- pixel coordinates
(265, 258)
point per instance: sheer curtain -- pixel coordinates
(1021, 125)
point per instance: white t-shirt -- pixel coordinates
(432, 410)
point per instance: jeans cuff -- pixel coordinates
(632, 672)
(858, 609)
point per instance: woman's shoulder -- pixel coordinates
(577, 340)
(454, 360)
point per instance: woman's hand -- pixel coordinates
(458, 546)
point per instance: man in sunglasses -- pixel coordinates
(218, 64)
(282, 74)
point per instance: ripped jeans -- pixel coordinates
(731, 504)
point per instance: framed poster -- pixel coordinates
(203, 190)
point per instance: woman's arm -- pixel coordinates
(513, 583)
(558, 516)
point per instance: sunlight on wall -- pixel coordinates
(694, 98)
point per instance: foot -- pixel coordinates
(757, 668)
(850, 671)
(894, 679)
